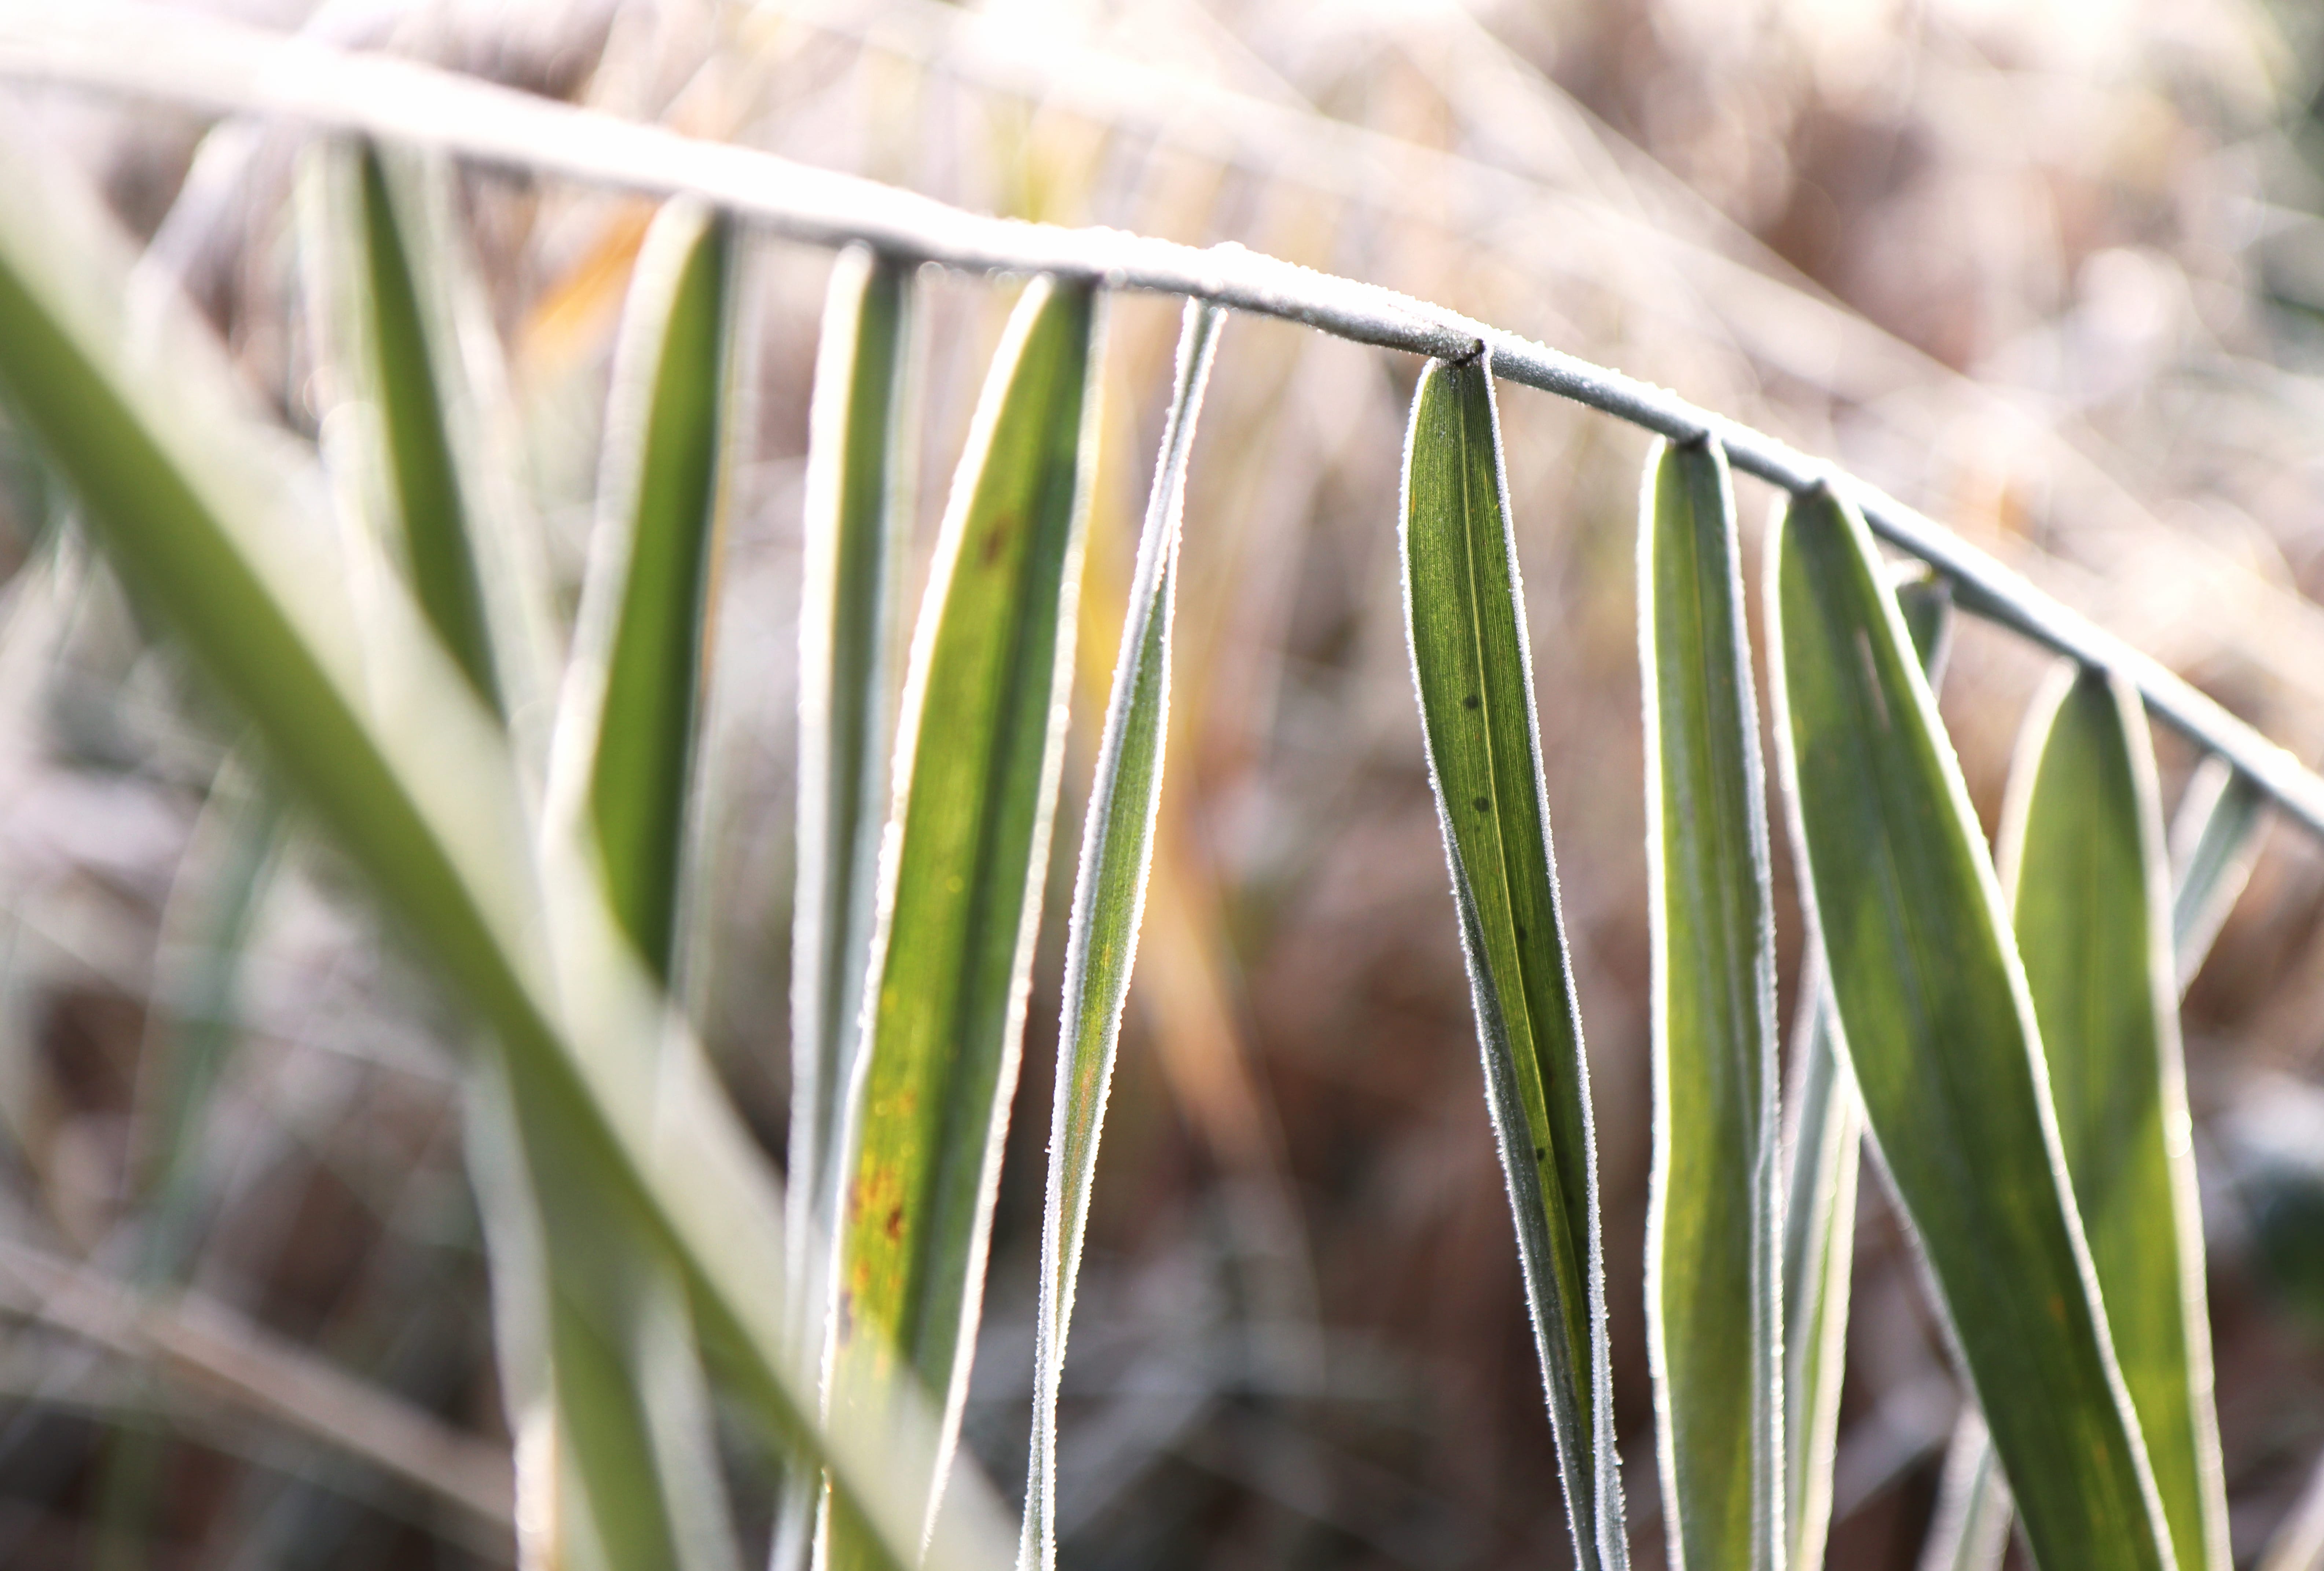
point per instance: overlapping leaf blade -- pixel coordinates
(1464, 612)
(981, 741)
(383, 740)
(633, 693)
(856, 511)
(1826, 1141)
(1109, 902)
(1933, 1015)
(1714, 1329)
(2082, 860)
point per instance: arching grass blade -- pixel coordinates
(1714, 1327)
(2215, 839)
(1108, 901)
(857, 507)
(1464, 614)
(1934, 1014)
(2082, 858)
(628, 722)
(980, 744)
(1826, 1142)
(375, 731)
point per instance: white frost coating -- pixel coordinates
(1153, 597)
(155, 51)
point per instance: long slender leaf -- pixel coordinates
(1464, 615)
(976, 772)
(1109, 902)
(629, 718)
(628, 726)
(1714, 1306)
(1934, 1017)
(1826, 1142)
(377, 731)
(2082, 858)
(2215, 839)
(856, 510)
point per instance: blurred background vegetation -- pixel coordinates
(2052, 271)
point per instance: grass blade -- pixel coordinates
(1108, 901)
(2215, 839)
(1934, 1017)
(1970, 1532)
(1714, 1327)
(1826, 1142)
(631, 698)
(857, 509)
(856, 512)
(1464, 614)
(376, 731)
(981, 745)
(2082, 860)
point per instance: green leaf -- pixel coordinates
(1937, 1024)
(1826, 1144)
(372, 726)
(1464, 614)
(2215, 840)
(2082, 855)
(1714, 1330)
(429, 503)
(1108, 900)
(977, 766)
(633, 693)
(857, 510)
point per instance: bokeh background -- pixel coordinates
(2050, 270)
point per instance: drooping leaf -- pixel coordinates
(1464, 610)
(1714, 1328)
(630, 713)
(1933, 1012)
(981, 745)
(1826, 1142)
(374, 728)
(856, 510)
(2082, 858)
(1109, 902)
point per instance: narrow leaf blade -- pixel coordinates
(1109, 902)
(646, 604)
(1714, 1331)
(2082, 858)
(1464, 616)
(1936, 1020)
(977, 773)
(2215, 840)
(1827, 1143)
(856, 511)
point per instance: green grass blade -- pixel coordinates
(430, 506)
(1464, 614)
(1714, 1329)
(209, 514)
(857, 509)
(1108, 900)
(982, 742)
(1826, 1142)
(2082, 858)
(2215, 839)
(634, 696)
(1938, 1027)
(856, 513)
